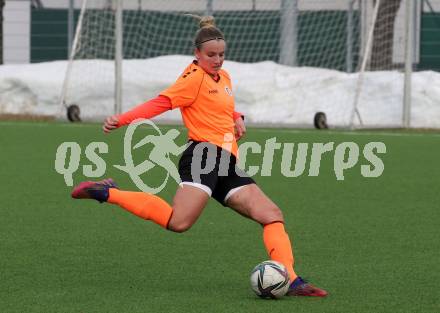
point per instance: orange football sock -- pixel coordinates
(144, 205)
(278, 246)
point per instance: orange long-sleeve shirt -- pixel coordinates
(207, 106)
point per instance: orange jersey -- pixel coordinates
(207, 106)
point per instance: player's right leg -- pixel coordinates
(188, 203)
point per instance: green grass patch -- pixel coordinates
(373, 243)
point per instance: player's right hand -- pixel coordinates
(110, 123)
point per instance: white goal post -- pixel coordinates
(125, 52)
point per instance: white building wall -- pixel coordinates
(222, 4)
(16, 27)
(16, 32)
(200, 5)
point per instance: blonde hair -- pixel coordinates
(207, 30)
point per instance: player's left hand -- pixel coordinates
(240, 128)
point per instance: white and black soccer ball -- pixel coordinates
(270, 280)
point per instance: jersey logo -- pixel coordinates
(228, 91)
(213, 91)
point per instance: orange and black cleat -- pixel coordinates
(94, 190)
(300, 287)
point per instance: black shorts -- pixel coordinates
(212, 169)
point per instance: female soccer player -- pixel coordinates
(203, 93)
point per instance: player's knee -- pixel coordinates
(270, 215)
(180, 227)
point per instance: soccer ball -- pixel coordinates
(270, 279)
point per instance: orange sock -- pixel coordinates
(144, 205)
(278, 246)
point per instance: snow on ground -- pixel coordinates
(265, 92)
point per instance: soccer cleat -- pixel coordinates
(94, 190)
(299, 287)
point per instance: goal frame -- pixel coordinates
(288, 29)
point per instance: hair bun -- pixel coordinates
(207, 21)
(204, 21)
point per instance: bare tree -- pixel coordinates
(382, 50)
(37, 4)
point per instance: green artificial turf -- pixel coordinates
(373, 243)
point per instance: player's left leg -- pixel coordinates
(250, 201)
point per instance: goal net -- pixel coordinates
(288, 59)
